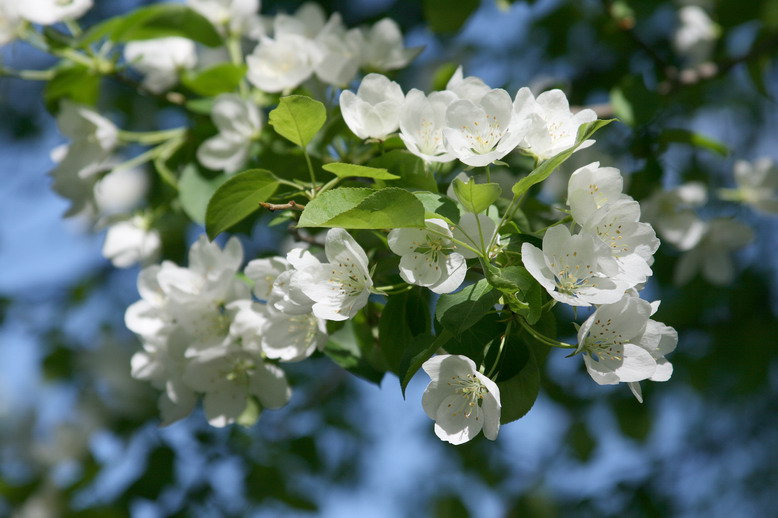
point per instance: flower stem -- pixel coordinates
(542, 338)
(151, 137)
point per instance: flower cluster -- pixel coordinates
(468, 121)
(604, 265)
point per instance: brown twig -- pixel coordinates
(292, 205)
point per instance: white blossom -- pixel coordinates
(161, 60)
(287, 293)
(712, 254)
(341, 53)
(471, 88)
(672, 214)
(383, 47)
(93, 139)
(757, 184)
(340, 287)
(236, 15)
(283, 63)
(130, 242)
(461, 400)
(10, 22)
(263, 273)
(374, 111)
(121, 190)
(575, 269)
(620, 343)
(239, 122)
(478, 133)
(696, 34)
(552, 127)
(291, 338)
(49, 12)
(427, 257)
(591, 187)
(228, 376)
(422, 119)
(308, 21)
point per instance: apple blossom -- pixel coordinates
(384, 49)
(551, 127)
(590, 187)
(672, 214)
(239, 122)
(161, 60)
(121, 190)
(477, 231)
(422, 119)
(235, 15)
(283, 63)
(374, 111)
(620, 343)
(478, 133)
(471, 88)
(291, 338)
(427, 257)
(340, 287)
(696, 34)
(461, 400)
(49, 12)
(10, 22)
(577, 270)
(757, 184)
(711, 255)
(130, 242)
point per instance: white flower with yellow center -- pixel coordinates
(552, 127)
(427, 256)
(340, 287)
(291, 338)
(461, 400)
(478, 133)
(620, 343)
(575, 269)
(283, 63)
(422, 119)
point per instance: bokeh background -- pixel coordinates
(80, 438)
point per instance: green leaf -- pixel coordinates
(476, 197)
(350, 207)
(219, 79)
(194, 192)
(421, 350)
(350, 347)
(509, 279)
(545, 169)
(448, 16)
(155, 21)
(518, 391)
(342, 170)
(408, 167)
(404, 317)
(683, 136)
(472, 341)
(238, 198)
(439, 204)
(298, 118)
(75, 83)
(459, 311)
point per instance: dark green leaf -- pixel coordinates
(405, 316)
(75, 83)
(237, 198)
(510, 279)
(683, 136)
(350, 346)
(408, 167)
(458, 311)
(439, 204)
(298, 118)
(448, 15)
(473, 341)
(519, 391)
(421, 350)
(364, 208)
(633, 103)
(156, 21)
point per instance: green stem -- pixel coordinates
(500, 352)
(488, 173)
(30, 75)
(329, 185)
(310, 171)
(542, 338)
(151, 137)
(454, 240)
(236, 55)
(74, 28)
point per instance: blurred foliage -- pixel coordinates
(719, 405)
